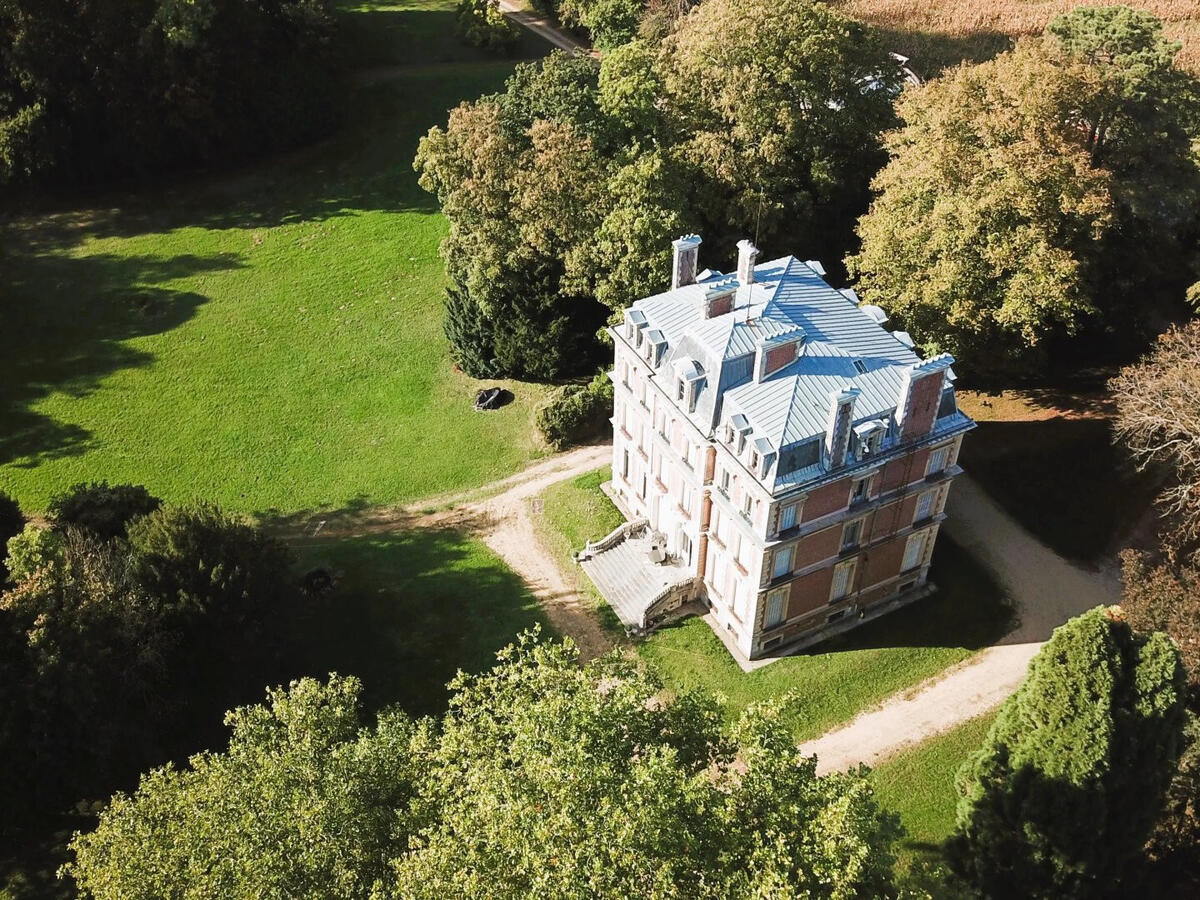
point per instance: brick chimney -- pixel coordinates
(685, 255)
(747, 254)
(920, 395)
(837, 431)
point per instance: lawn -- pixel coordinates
(831, 682)
(1048, 458)
(944, 33)
(919, 785)
(269, 340)
(410, 609)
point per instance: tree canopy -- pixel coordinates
(544, 779)
(749, 118)
(1074, 771)
(97, 87)
(1050, 189)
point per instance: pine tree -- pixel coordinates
(1072, 775)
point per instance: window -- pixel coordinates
(748, 506)
(861, 490)
(625, 464)
(680, 389)
(625, 373)
(686, 502)
(852, 534)
(783, 562)
(687, 453)
(726, 479)
(937, 460)
(685, 547)
(843, 577)
(787, 517)
(717, 577)
(776, 603)
(914, 550)
(924, 506)
(754, 458)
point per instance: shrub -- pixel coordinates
(32, 550)
(577, 413)
(11, 524)
(104, 510)
(482, 24)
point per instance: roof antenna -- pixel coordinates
(758, 220)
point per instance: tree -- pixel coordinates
(1048, 192)
(544, 779)
(1158, 421)
(1165, 598)
(34, 549)
(12, 522)
(1073, 773)
(107, 87)
(481, 23)
(609, 22)
(306, 802)
(978, 239)
(1174, 848)
(104, 510)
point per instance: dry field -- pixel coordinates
(939, 33)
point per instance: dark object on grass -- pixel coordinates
(492, 398)
(318, 583)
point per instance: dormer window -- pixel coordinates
(680, 389)
(755, 459)
(869, 438)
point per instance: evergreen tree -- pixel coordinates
(1074, 771)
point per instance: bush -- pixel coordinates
(577, 413)
(482, 24)
(104, 510)
(30, 551)
(11, 524)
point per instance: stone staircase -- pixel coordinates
(640, 591)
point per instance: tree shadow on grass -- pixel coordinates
(409, 610)
(64, 321)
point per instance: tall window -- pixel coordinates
(680, 389)
(748, 506)
(843, 579)
(787, 517)
(686, 501)
(783, 562)
(852, 534)
(861, 490)
(625, 464)
(937, 460)
(776, 603)
(914, 550)
(924, 506)
(725, 482)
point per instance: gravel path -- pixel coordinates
(1045, 590)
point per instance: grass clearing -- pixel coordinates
(919, 785)
(830, 683)
(270, 340)
(1048, 458)
(410, 609)
(945, 33)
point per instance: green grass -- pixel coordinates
(834, 680)
(272, 340)
(919, 785)
(410, 609)
(569, 515)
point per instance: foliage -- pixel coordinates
(609, 22)
(750, 118)
(125, 86)
(1165, 597)
(304, 803)
(1066, 788)
(1049, 189)
(132, 648)
(481, 23)
(577, 413)
(545, 778)
(103, 510)
(12, 522)
(34, 549)
(1158, 421)
(1174, 848)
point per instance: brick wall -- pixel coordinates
(924, 397)
(825, 500)
(818, 546)
(906, 468)
(883, 561)
(810, 592)
(893, 516)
